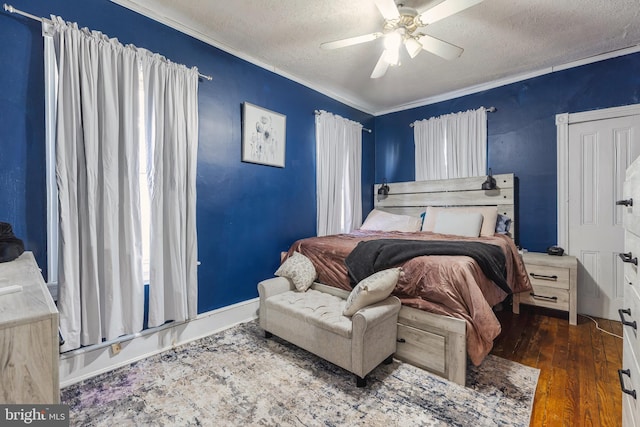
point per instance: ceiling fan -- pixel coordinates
(404, 26)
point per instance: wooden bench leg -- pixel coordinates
(388, 360)
(361, 382)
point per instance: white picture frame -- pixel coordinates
(263, 136)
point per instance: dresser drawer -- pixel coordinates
(631, 247)
(630, 380)
(628, 285)
(631, 214)
(547, 276)
(628, 419)
(631, 314)
(545, 296)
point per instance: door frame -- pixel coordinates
(562, 128)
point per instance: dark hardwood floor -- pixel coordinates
(578, 383)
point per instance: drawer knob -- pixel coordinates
(553, 278)
(628, 257)
(627, 202)
(622, 312)
(401, 340)
(626, 372)
(543, 297)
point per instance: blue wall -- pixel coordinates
(246, 213)
(521, 134)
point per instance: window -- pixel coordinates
(451, 146)
(145, 197)
(51, 84)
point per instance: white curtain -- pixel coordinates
(98, 140)
(451, 146)
(171, 97)
(338, 174)
(100, 272)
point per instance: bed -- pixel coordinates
(448, 300)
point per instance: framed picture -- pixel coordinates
(263, 136)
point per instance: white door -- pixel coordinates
(599, 153)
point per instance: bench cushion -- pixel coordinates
(320, 309)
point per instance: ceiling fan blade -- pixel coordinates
(381, 66)
(350, 41)
(444, 9)
(388, 9)
(441, 48)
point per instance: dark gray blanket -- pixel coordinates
(371, 256)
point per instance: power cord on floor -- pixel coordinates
(598, 326)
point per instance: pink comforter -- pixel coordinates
(450, 285)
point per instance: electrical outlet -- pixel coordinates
(115, 348)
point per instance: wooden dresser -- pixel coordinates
(554, 280)
(630, 312)
(29, 350)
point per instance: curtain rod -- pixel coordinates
(489, 110)
(12, 9)
(317, 112)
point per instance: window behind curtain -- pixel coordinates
(51, 82)
(338, 174)
(451, 146)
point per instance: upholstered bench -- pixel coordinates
(314, 321)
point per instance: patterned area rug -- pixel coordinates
(239, 378)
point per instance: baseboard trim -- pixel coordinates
(76, 367)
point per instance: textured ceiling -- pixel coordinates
(503, 39)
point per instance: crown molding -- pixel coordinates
(358, 104)
(170, 22)
(508, 80)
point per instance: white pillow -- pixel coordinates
(371, 290)
(385, 221)
(300, 270)
(489, 215)
(466, 224)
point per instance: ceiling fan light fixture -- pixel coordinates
(413, 47)
(392, 40)
(404, 25)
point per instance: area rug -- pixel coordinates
(239, 378)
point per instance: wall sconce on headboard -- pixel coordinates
(490, 183)
(384, 188)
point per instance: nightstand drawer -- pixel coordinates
(421, 348)
(553, 277)
(545, 296)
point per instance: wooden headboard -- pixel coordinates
(413, 197)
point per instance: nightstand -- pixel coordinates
(554, 280)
